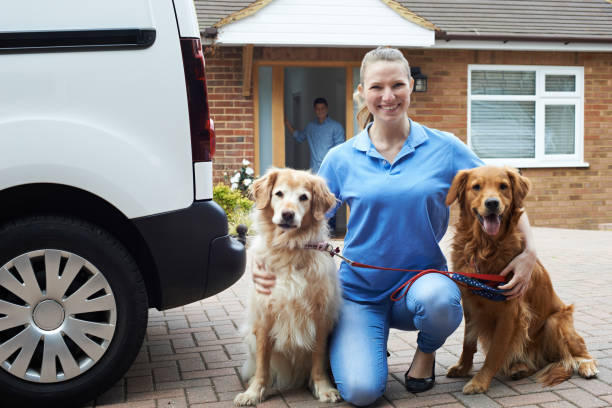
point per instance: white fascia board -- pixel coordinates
(522, 46)
(328, 24)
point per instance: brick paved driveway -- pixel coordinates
(191, 355)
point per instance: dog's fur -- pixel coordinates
(287, 330)
(522, 335)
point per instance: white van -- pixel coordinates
(105, 189)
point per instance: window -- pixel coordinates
(526, 116)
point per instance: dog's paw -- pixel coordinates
(474, 386)
(458, 370)
(588, 369)
(325, 392)
(331, 395)
(249, 397)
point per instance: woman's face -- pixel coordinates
(386, 90)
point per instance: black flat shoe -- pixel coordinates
(415, 385)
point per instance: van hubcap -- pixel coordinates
(48, 315)
(57, 316)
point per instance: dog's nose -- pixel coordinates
(288, 216)
(492, 203)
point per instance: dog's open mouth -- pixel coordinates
(490, 223)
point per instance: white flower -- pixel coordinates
(235, 178)
(246, 182)
(245, 162)
(249, 171)
(234, 186)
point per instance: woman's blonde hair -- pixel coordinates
(364, 116)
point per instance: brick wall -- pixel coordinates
(231, 112)
(561, 197)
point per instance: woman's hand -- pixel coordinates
(522, 267)
(264, 281)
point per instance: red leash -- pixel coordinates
(403, 289)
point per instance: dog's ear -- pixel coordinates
(322, 199)
(520, 186)
(261, 189)
(457, 188)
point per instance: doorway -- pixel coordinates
(302, 86)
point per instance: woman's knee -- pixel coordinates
(440, 307)
(361, 392)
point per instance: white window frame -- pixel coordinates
(541, 99)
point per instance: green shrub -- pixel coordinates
(236, 206)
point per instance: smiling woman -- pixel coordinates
(394, 175)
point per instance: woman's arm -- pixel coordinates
(522, 265)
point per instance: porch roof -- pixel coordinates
(468, 21)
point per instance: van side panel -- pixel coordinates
(187, 18)
(76, 14)
(75, 114)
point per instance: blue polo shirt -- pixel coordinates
(398, 211)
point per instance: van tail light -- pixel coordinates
(202, 129)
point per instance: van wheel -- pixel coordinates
(73, 310)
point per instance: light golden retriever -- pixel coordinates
(287, 330)
(519, 336)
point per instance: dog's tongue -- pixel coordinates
(491, 224)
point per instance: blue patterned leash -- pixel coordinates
(476, 282)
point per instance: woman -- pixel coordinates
(395, 175)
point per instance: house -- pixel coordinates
(525, 83)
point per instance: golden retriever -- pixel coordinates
(522, 335)
(287, 330)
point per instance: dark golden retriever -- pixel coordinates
(522, 335)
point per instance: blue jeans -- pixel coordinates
(358, 344)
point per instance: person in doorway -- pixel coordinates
(395, 175)
(322, 134)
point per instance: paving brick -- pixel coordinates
(276, 401)
(166, 374)
(227, 383)
(558, 404)
(157, 330)
(183, 343)
(594, 386)
(228, 395)
(476, 401)
(222, 404)
(536, 398)
(425, 401)
(176, 402)
(229, 363)
(201, 394)
(138, 404)
(300, 394)
(139, 384)
(145, 396)
(192, 364)
(161, 349)
(196, 382)
(208, 373)
(214, 356)
(582, 398)
(178, 324)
